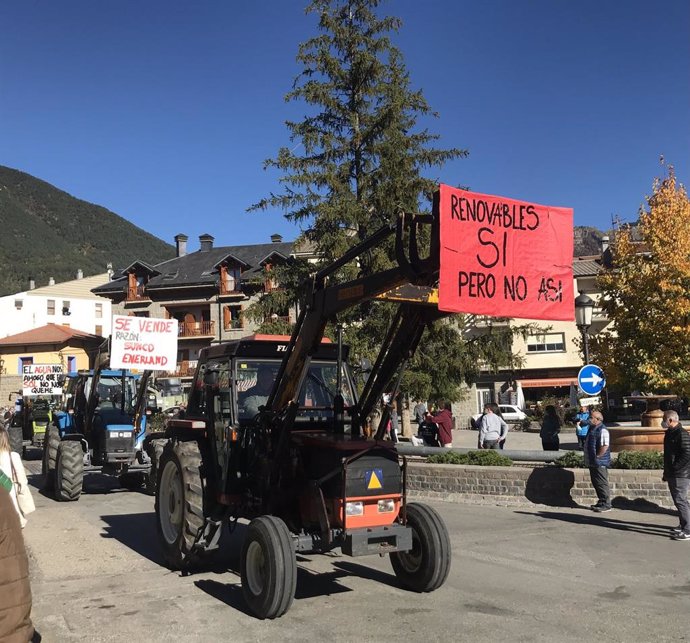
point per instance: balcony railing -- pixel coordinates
(233, 324)
(230, 286)
(136, 293)
(196, 329)
(184, 368)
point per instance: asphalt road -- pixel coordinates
(536, 574)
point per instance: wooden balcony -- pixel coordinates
(196, 329)
(233, 324)
(136, 293)
(230, 287)
(185, 368)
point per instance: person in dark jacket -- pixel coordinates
(443, 419)
(677, 470)
(597, 453)
(15, 591)
(550, 428)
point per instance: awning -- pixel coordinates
(548, 382)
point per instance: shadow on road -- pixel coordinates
(309, 585)
(136, 531)
(368, 573)
(603, 520)
(550, 486)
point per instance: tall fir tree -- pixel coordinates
(355, 162)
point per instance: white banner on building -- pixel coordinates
(41, 379)
(143, 343)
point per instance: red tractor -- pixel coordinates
(273, 434)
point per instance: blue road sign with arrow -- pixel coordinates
(591, 379)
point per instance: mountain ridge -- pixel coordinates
(46, 232)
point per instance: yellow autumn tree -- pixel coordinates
(646, 295)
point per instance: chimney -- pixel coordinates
(276, 238)
(181, 244)
(604, 244)
(205, 242)
(32, 283)
(80, 274)
(109, 269)
(51, 281)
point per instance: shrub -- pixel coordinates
(571, 460)
(639, 460)
(488, 458)
(625, 460)
(526, 423)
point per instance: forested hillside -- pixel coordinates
(45, 232)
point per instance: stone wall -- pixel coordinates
(9, 384)
(520, 485)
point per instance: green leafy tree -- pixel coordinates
(646, 295)
(356, 160)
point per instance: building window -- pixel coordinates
(99, 330)
(51, 306)
(19, 304)
(232, 317)
(66, 308)
(99, 311)
(25, 361)
(230, 279)
(546, 343)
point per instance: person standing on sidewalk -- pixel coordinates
(492, 429)
(677, 470)
(443, 419)
(597, 455)
(582, 426)
(550, 428)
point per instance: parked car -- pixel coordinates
(511, 414)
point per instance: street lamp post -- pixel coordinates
(584, 306)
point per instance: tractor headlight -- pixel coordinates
(124, 434)
(354, 508)
(386, 506)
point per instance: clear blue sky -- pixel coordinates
(164, 110)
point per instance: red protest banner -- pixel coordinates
(505, 258)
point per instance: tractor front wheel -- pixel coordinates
(50, 448)
(268, 567)
(425, 567)
(69, 471)
(180, 503)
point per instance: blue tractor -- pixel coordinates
(102, 428)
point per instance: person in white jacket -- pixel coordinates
(12, 467)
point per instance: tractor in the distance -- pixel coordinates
(101, 429)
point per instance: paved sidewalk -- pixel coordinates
(517, 440)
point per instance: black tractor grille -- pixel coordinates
(119, 445)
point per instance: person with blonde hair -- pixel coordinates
(12, 467)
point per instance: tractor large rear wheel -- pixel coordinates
(69, 471)
(268, 567)
(179, 503)
(425, 567)
(50, 448)
(16, 439)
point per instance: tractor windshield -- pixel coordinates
(113, 391)
(255, 379)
